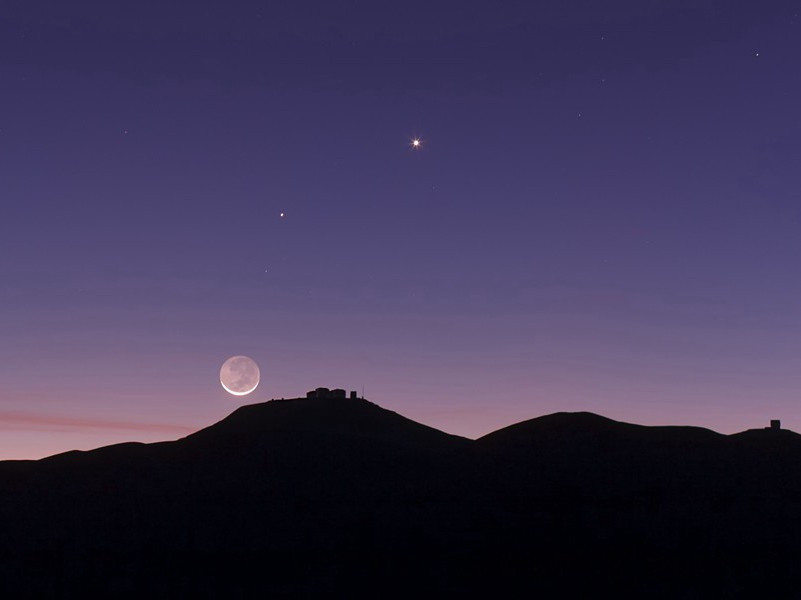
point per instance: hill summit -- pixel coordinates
(329, 416)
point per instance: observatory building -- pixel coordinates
(322, 392)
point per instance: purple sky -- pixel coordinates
(604, 214)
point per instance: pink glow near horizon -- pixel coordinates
(50, 422)
(29, 435)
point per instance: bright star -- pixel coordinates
(416, 143)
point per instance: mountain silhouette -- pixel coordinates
(584, 428)
(340, 497)
(344, 418)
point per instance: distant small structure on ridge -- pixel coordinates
(775, 425)
(322, 392)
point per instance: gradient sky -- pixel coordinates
(604, 214)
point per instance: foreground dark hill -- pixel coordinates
(305, 498)
(587, 428)
(353, 418)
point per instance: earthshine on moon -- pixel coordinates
(239, 375)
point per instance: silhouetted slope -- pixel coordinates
(345, 417)
(288, 481)
(594, 452)
(586, 428)
(767, 439)
(717, 511)
(340, 497)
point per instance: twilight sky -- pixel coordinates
(604, 214)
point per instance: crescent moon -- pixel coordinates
(230, 391)
(239, 375)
